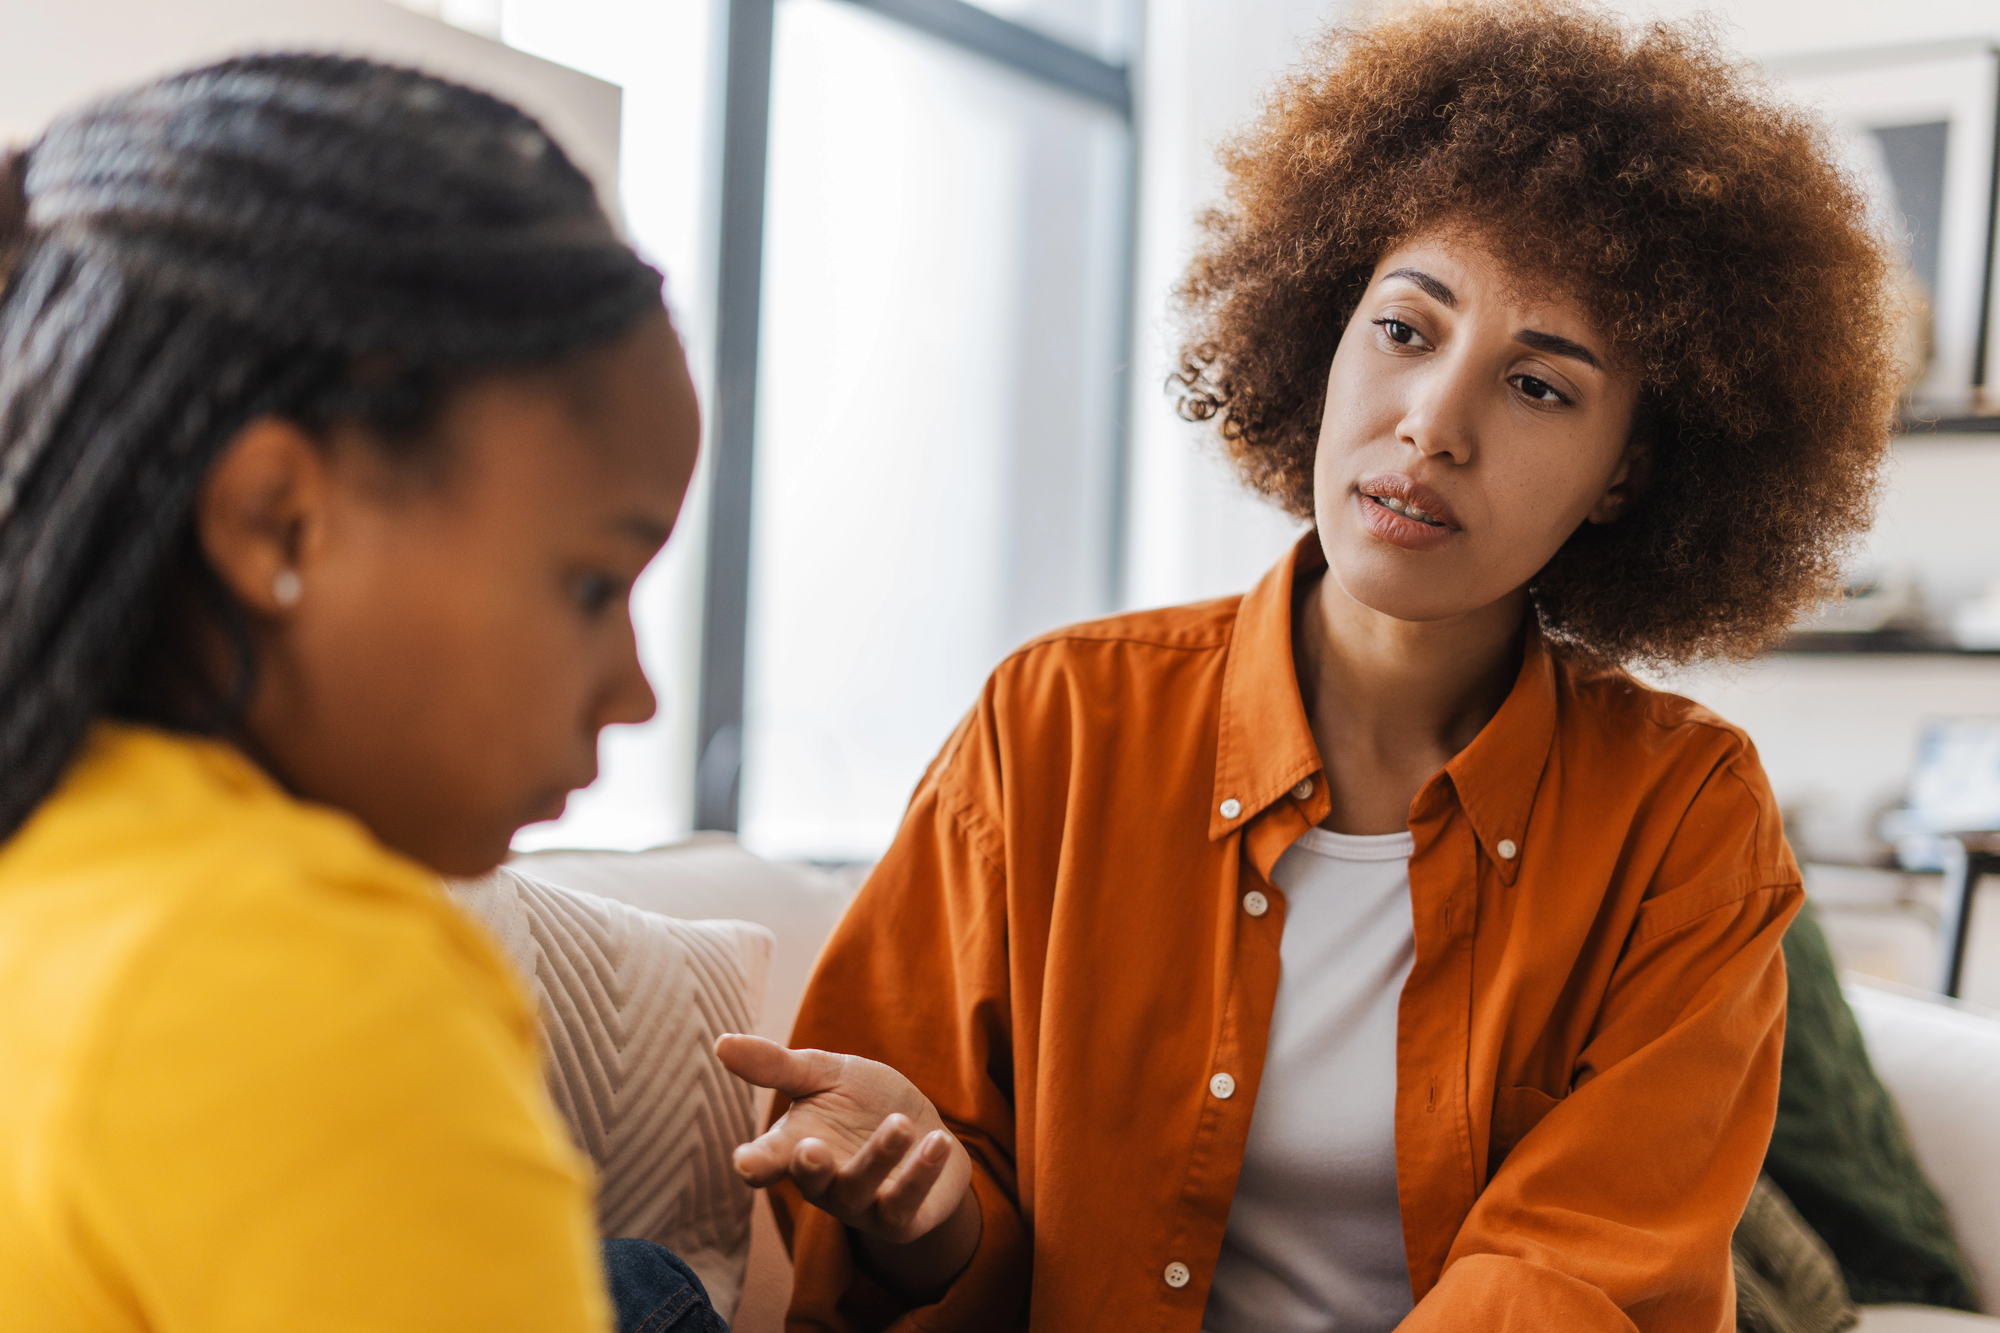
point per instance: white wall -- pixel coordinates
(56, 56)
(1768, 29)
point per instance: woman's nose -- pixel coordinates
(1438, 417)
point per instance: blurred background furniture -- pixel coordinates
(1949, 825)
(1969, 857)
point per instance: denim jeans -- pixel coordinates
(655, 1292)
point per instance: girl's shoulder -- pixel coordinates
(230, 1023)
(178, 828)
(169, 891)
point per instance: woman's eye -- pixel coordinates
(593, 592)
(1539, 390)
(1399, 332)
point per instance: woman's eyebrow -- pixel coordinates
(1552, 343)
(1434, 289)
(1556, 345)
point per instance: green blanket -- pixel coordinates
(1787, 1281)
(1840, 1152)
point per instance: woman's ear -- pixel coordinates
(260, 511)
(1628, 480)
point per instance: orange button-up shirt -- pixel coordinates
(1066, 943)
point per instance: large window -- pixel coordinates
(936, 433)
(898, 236)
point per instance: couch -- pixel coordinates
(1941, 1060)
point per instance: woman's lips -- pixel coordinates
(1411, 534)
(1408, 493)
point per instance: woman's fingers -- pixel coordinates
(765, 1063)
(852, 1192)
(881, 1188)
(766, 1158)
(902, 1195)
(813, 1168)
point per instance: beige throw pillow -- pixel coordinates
(631, 1003)
(710, 876)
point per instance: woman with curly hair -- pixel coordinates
(1370, 950)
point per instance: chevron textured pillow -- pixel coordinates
(631, 1004)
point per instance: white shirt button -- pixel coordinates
(1506, 848)
(1177, 1275)
(1255, 903)
(1231, 808)
(1223, 1086)
(1303, 790)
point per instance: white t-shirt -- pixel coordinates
(1315, 1238)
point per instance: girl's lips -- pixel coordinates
(549, 807)
(551, 803)
(1398, 529)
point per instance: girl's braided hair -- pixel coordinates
(304, 236)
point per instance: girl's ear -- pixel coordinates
(260, 513)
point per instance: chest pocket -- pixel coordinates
(1515, 1112)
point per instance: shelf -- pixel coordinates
(1918, 427)
(1900, 643)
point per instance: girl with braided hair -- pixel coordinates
(335, 424)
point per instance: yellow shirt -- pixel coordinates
(257, 1073)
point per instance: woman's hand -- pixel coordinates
(862, 1144)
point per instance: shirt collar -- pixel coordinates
(1496, 777)
(1264, 746)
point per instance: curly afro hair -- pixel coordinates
(1701, 220)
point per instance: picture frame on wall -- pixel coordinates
(1919, 123)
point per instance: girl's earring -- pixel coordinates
(286, 588)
